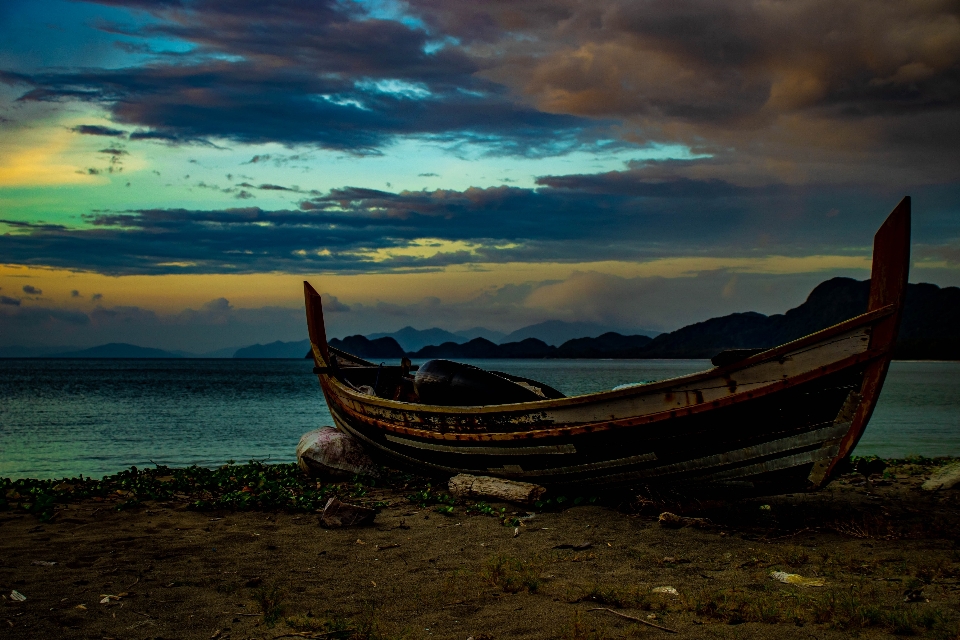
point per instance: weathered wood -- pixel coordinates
(888, 288)
(467, 486)
(633, 619)
(673, 521)
(341, 514)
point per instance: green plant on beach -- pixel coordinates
(270, 601)
(848, 610)
(235, 487)
(426, 497)
(514, 575)
(484, 509)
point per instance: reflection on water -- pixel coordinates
(64, 417)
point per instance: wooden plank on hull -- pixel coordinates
(737, 456)
(485, 432)
(775, 464)
(845, 417)
(544, 450)
(579, 468)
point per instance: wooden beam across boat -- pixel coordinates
(780, 419)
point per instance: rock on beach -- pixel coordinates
(946, 477)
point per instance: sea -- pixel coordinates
(63, 418)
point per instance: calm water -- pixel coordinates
(65, 417)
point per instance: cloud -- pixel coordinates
(27, 288)
(324, 74)
(96, 296)
(97, 130)
(215, 325)
(642, 213)
(628, 303)
(807, 91)
(13, 302)
(331, 304)
(802, 92)
(75, 294)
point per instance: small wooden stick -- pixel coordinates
(632, 619)
(789, 535)
(311, 634)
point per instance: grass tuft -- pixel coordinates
(270, 601)
(514, 575)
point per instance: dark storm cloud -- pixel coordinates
(97, 130)
(247, 103)
(698, 59)
(161, 136)
(812, 90)
(640, 213)
(307, 73)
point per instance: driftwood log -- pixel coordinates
(673, 521)
(467, 486)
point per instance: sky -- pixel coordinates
(172, 170)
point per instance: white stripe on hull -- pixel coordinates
(615, 405)
(773, 447)
(553, 449)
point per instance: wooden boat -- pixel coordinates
(784, 419)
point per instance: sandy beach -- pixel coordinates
(886, 553)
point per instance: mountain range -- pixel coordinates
(552, 332)
(930, 331)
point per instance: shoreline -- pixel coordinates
(183, 565)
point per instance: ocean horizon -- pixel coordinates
(63, 418)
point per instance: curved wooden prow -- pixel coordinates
(888, 287)
(315, 327)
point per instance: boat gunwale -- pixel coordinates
(626, 422)
(342, 390)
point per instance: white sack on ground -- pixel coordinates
(330, 453)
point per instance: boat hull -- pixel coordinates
(779, 420)
(789, 430)
(761, 424)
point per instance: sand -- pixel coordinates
(888, 556)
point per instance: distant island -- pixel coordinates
(930, 331)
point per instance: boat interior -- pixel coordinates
(437, 382)
(446, 383)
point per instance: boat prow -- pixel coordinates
(782, 419)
